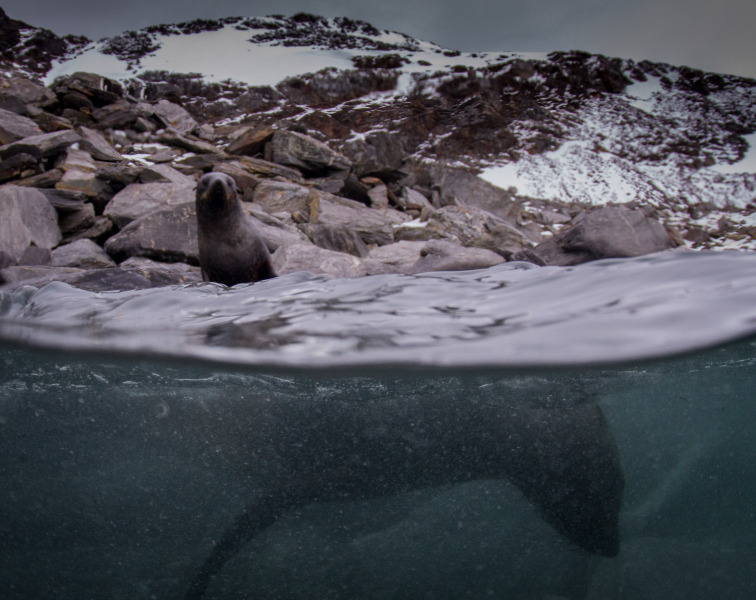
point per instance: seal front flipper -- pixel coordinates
(257, 516)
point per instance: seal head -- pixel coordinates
(231, 249)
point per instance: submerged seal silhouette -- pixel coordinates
(562, 456)
(231, 249)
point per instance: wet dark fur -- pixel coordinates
(231, 249)
(562, 457)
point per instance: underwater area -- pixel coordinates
(515, 432)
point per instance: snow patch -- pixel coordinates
(746, 165)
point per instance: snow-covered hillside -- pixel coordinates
(563, 128)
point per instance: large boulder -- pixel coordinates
(168, 235)
(308, 155)
(26, 217)
(15, 127)
(139, 199)
(609, 232)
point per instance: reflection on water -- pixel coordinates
(118, 479)
(510, 315)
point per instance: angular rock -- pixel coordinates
(34, 256)
(118, 176)
(290, 258)
(274, 232)
(15, 127)
(460, 187)
(378, 195)
(99, 148)
(191, 144)
(25, 91)
(379, 154)
(118, 115)
(83, 254)
(250, 141)
(174, 116)
(48, 179)
(41, 146)
(306, 154)
(242, 177)
(139, 199)
(441, 255)
(283, 197)
(410, 199)
(316, 207)
(18, 165)
(374, 226)
(264, 168)
(26, 217)
(339, 238)
(36, 275)
(609, 232)
(76, 221)
(160, 274)
(98, 89)
(164, 174)
(469, 226)
(168, 235)
(80, 175)
(399, 257)
(48, 122)
(197, 164)
(98, 230)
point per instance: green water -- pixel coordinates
(117, 477)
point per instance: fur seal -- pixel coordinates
(231, 249)
(561, 455)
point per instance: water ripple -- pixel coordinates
(510, 315)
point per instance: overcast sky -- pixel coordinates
(715, 35)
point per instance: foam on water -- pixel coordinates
(512, 315)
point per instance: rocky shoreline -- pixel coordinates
(98, 191)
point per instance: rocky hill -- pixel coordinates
(357, 150)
